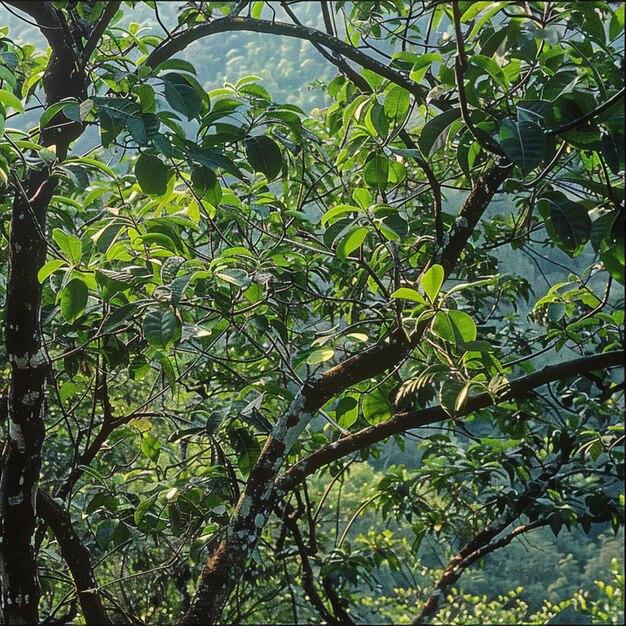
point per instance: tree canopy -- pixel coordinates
(260, 359)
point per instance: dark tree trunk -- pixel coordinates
(21, 457)
(21, 460)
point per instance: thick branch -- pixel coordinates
(75, 555)
(257, 500)
(485, 542)
(181, 40)
(47, 19)
(424, 417)
(107, 15)
(21, 457)
(456, 568)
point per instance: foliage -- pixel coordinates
(609, 607)
(219, 304)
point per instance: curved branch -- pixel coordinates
(181, 40)
(455, 569)
(614, 99)
(424, 417)
(76, 555)
(107, 15)
(226, 565)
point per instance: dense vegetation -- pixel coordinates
(345, 354)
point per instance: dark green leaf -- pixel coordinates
(144, 506)
(567, 222)
(161, 327)
(264, 156)
(152, 174)
(523, 142)
(143, 129)
(74, 299)
(434, 131)
(181, 95)
(206, 185)
(105, 531)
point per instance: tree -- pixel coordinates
(223, 297)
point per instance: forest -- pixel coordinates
(311, 312)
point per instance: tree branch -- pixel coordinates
(456, 568)
(181, 40)
(76, 555)
(256, 502)
(614, 99)
(107, 15)
(424, 417)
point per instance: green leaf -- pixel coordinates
(432, 281)
(264, 156)
(434, 131)
(105, 531)
(144, 128)
(347, 411)
(152, 175)
(161, 327)
(70, 245)
(181, 95)
(397, 103)
(449, 394)
(338, 210)
(206, 184)
(257, 9)
(320, 356)
(376, 407)
(491, 67)
(408, 294)
(463, 326)
(613, 151)
(442, 327)
(234, 276)
(9, 100)
(422, 65)
(170, 268)
(175, 64)
(49, 268)
(523, 142)
(150, 446)
(567, 222)
(52, 110)
(456, 327)
(363, 198)
(353, 239)
(144, 506)
(376, 172)
(117, 108)
(74, 299)
(67, 390)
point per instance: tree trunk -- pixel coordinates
(21, 457)
(21, 461)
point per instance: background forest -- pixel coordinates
(320, 307)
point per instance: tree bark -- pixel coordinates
(226, 565)
(401, 422)
(76, 555)
(21, 457)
